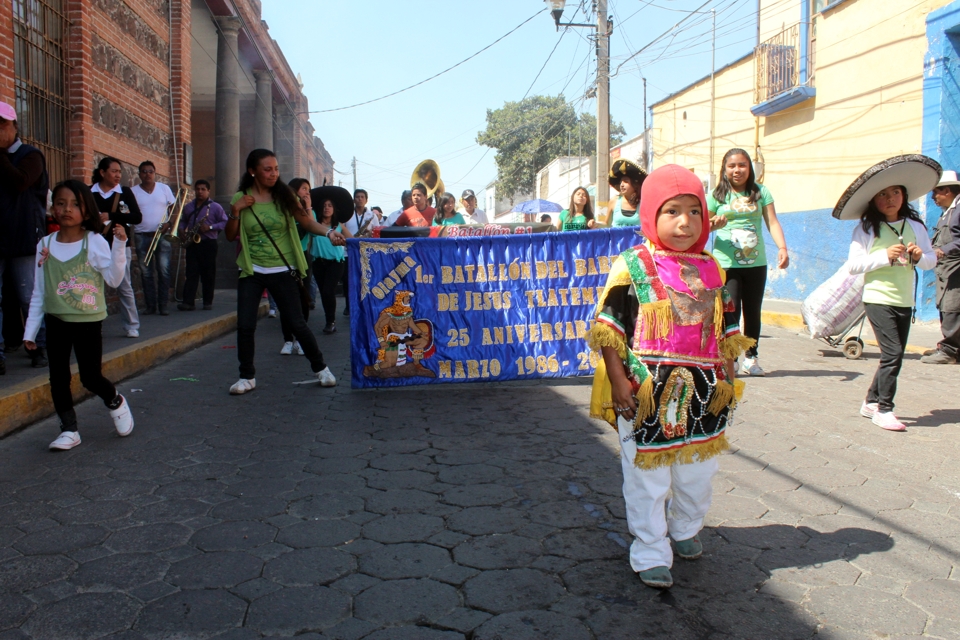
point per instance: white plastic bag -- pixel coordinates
(835, 305)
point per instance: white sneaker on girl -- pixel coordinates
(886, 420)
(326, 378)
(297, 349)
(122, 418)
(66, 441)
(751, 367)
(286, 349)
(868, 409)
(243, 385)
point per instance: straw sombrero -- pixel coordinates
(917, 173)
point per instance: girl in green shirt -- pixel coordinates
(263, 216)
(580, 214)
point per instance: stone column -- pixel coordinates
(263, 116)
(228, 108)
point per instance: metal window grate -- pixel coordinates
(778, 64)
(40, 76)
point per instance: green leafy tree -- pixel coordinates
(530, 134)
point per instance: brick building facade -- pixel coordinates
(151, 79)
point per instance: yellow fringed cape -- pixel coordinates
(656, 319)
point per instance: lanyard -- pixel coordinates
(899, 234)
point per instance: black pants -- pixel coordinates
(746, 287)
(891, 326)
(201, 268)
(86, 341)
(950, 327)
(286, 294)
(286, 328)
(327, 274)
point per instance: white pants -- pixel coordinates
(128, 301)
(649, 517)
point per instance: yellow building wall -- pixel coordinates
(869, 80)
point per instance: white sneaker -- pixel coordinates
(326, 378)
(67, 440)
(751, 367)
(272, 313)
(122, 418)
(868, 409)
(287, 349)
(243, 385)
(133, 333)
(886, 420)
(297, 349)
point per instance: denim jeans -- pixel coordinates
(161, 263)
(286, 293)
(22, 271)
(129, 316)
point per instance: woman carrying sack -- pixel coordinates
(263, 215)
(890, 242)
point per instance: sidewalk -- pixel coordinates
(25, 391)
(786, 314)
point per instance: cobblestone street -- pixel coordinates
(474, 511)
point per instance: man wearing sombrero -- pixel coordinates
(946, 244)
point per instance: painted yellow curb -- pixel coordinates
(794, 322)
(29, 401)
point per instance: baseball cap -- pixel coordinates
(7, 112)
(467, 193)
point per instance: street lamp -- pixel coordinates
(556, 10)
(604, 28)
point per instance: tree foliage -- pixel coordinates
(530, 134)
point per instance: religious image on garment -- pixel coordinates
(403, 342)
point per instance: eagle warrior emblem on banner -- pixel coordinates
(403, 342)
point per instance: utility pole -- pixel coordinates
(713, 95)
(354, 165)
(603, 104)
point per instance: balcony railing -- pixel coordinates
(784, 62)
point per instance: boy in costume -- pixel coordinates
(668, 335)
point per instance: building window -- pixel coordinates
(40, 77)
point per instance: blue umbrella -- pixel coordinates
(537, 206)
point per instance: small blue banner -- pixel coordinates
(477, 309)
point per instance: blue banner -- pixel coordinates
(477, 309)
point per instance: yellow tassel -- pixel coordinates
(657, 319)
(723, 396)
(602, 335)
(696, 452)
(645, 404)
(601, 396)
(734, 346)
(718, 327)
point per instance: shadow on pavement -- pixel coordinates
(936, 418)
(814, 373)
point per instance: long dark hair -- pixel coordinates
(295, 184)
(282, 194)
(441, 203)
(724, 188)
(587, 207)
(872, 217)
(333, 216)
(103, 165)
(88, 206)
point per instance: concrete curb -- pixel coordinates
(794, 322)
(30, 401)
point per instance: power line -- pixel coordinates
(436, 75)
(660, 37)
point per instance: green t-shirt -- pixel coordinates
(454, 219)
(740, 243)
(256, 248)
(576, 223)
(891, 285)
(621, 220)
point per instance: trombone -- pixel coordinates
(172, 217)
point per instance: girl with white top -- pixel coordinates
(73, 265)
(890, 241)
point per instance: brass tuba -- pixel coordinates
(428, 172)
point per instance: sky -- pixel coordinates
(353, 51)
